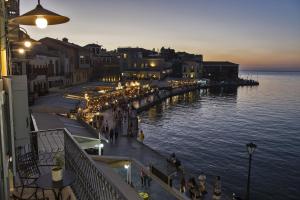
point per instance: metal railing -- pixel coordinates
(91, 183)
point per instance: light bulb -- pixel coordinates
(21, 51)
(27, 44)
(41, 22)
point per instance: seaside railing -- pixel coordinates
(91, 183)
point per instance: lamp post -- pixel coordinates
(128, 173)
(250, 148)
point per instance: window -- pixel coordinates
(81, 59)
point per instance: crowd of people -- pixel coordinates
(197, 191)
(123, 121)
(100, 102)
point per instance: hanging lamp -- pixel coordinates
(40, 17)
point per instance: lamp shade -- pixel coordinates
(251, 147)
(30, 17)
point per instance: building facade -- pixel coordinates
(138, 63)
(191, 69)
(105, 64)
(184, 65)
(220, 71)
(75, 60)
(43, 69)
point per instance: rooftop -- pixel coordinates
(218, 63)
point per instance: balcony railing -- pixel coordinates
(91, 183)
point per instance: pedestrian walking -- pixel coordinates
(142, 175)
(116, 135)
(142, 136)
(111, 135)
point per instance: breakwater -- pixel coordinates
(144, 103)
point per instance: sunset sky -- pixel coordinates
(257, 34)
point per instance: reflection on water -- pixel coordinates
(189, 98)
(208, 130)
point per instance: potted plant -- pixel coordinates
(57, 170)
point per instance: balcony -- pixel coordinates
(91, 182)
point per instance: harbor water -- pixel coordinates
(208, 131)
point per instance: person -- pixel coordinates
(142, 136)
(116, 135)
(128, 130)
(202, 184)
(103, 130)
(173, 158)
(142, 175)
(191, 186)
(182, 185)
(217, 189)
(175, 161)
(106, 126)
(149, 179)
(111, 135)
(177, 164)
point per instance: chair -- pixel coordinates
(28, 172)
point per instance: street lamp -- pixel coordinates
(40, 17)
(128, 172)
(250, 148)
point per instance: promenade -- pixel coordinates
(123, 146)
(131, 147)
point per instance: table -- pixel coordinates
(45, 182)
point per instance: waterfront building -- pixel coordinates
(220, 71)
(139, 63)
(105, 64)
(74, 58)
(168, 54)
(186, 65)
(43, 68)
(190, 69)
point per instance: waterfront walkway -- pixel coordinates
(123, 146)
(130, 147)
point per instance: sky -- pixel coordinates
(257, 34)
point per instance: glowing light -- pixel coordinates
(27, 44)
(152, 64)
(41, 22)
(101, 91)
(126, 166)
(21, 51)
